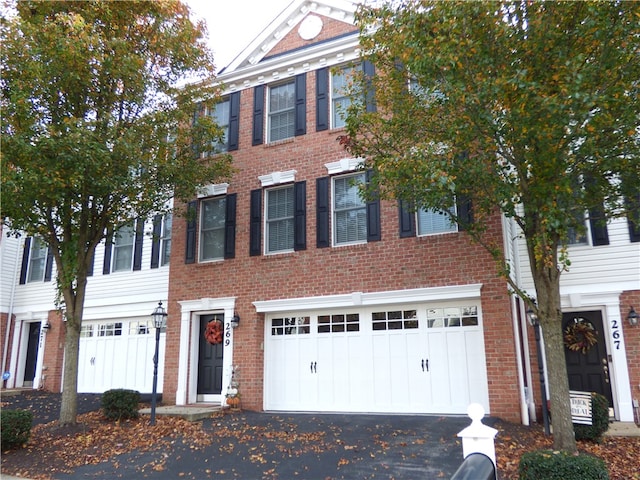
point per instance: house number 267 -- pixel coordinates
(615, 333)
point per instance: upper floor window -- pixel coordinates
(37, 260)
(432, 221)
(282, 114)
(123, 249)
(340, 100)
(212, 228)
(279, 219)
(349, 210)
(165, 239)
(220, 113)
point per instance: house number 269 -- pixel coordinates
(615, 333)
(227, 334)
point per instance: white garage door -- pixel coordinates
(118, 354)
(408, 359)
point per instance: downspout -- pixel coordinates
(10, 311)
(511, 246)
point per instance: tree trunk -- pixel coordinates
(547, 282)
(74, 301)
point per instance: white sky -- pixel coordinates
(233, 24)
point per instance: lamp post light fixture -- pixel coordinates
(159, 316)
(633, 317)
(235, 321)
(534, 321)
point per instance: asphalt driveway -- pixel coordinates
(256, 445)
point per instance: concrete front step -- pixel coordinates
(191, 413)
(623, 429)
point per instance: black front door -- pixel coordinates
(587, 361)
(32, 354)
(210, 359)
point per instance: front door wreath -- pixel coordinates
(580, 336)
(213, 332)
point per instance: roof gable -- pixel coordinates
(302, 23)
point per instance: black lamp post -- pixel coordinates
(535, 323)
(159, 316)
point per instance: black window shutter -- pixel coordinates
(465, 211)
(90, 268)
(255, 222)
(234, 121)
(369, 71)
(25, 260)
(230, 226)
(48, 266)
(192, 230)
(373, 216)
(322, 99)
(406, 219)
(301, 104)
(598, 224)
(108, 246)
(322, 212)
(633, 211)
(258, 115)
(155, 241)
(300, 216)
(137, 245)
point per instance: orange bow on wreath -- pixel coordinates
(213, 332)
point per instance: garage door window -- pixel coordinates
(86, 331)
(452, 317)
(290, 326)
(339, 323)
(395, 320)
(110, 329)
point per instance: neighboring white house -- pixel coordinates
(129, 278)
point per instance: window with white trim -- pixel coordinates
(165, 239)
(279, 219)
(431, 222)
(349, 210)
(282, 113)
(123, 249)
(576, 236)
(212, 223)
(37, 260)
(221, 114)
(341, 79)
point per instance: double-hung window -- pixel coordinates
(212, 228)
(165, 239)
(431, 222)
(282, 111)
(123, 249)
(349, 210)
(37, 260)
(220, 113)
(280, 219)
(341, 80)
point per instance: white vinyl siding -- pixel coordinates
(279, 219)
(282, 114)
(349, 210)
(212, 229)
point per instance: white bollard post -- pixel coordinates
(478, 437)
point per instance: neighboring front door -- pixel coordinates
(32, 354)
(587, 361)
(210, 361)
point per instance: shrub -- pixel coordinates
(15, 428)
(600, 420)
(557, 465)
(118, 404)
